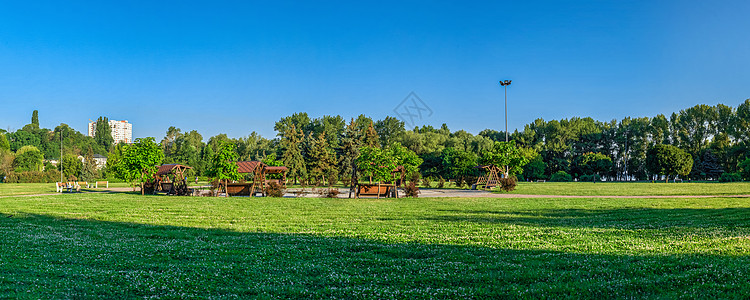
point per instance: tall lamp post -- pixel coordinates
(506, 84)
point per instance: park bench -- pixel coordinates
(104, 183)
(375, 189)
(62, 186)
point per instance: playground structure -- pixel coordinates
(259, 182)
(489, 179)
(170, 179)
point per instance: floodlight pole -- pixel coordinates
(506, 84)
(59, 163)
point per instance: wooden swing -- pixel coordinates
(489, 179)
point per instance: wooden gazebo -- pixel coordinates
(489, 179)
(259, 183)
(176, 185)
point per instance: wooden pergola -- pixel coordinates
(259, 183)
(490, 178)
(176, 185)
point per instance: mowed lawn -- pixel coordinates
(632, 188)
(124, 245)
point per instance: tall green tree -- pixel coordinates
(376, 164)
(458, 164)
(140, 161)
(28, 158)
(35, 119)
(507, 156)
(167, 143)
(293, 159)
(389, 130)
(89, 173)
(321, 159)
(669, 160)
(350, 142)
(71, 167)
(371, 137)
(4, 144)
(224, 164)
(103, 133)
(300, 121)
(593, 163)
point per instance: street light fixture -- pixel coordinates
(506, 84)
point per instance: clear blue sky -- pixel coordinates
(236, 67)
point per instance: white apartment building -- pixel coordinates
(122, 131)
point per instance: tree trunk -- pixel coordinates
(142, 188)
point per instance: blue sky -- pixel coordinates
(237, 67)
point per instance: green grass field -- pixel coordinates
(632, 188)
(121, 245)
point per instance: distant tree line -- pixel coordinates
(700, 143)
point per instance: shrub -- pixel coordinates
(745, 169)
(508, 183)
(328, 193)
(426, 182)
(275, 190)
(414, 177)
(459, 182)
(561, 176)
(594, 178)
(441, 183)
(332, 178)
(470, 180)
(730, 177)
(411, 190)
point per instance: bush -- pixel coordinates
(275, 190)
(33, 177)
(508, 184)
(730, 177)
(411, 190)
(332, 178)
(441, 183)
(328, 193)
(459, 182)
(561, 176)
(470, 180)
(426, 182)
(594, 178)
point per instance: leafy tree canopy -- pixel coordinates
(669, 160)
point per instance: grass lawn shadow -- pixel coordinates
(48, 257)
(620, 218)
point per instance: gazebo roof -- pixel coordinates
(167, 169)
(274, 170)
(249, 166)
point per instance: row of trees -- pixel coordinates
(324, 149)
(26, 153)
(715, 137)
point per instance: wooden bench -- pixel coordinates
(70, 186)
(374, 189)
(60, 187)
(104, 183)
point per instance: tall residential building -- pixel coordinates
(122, 131)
